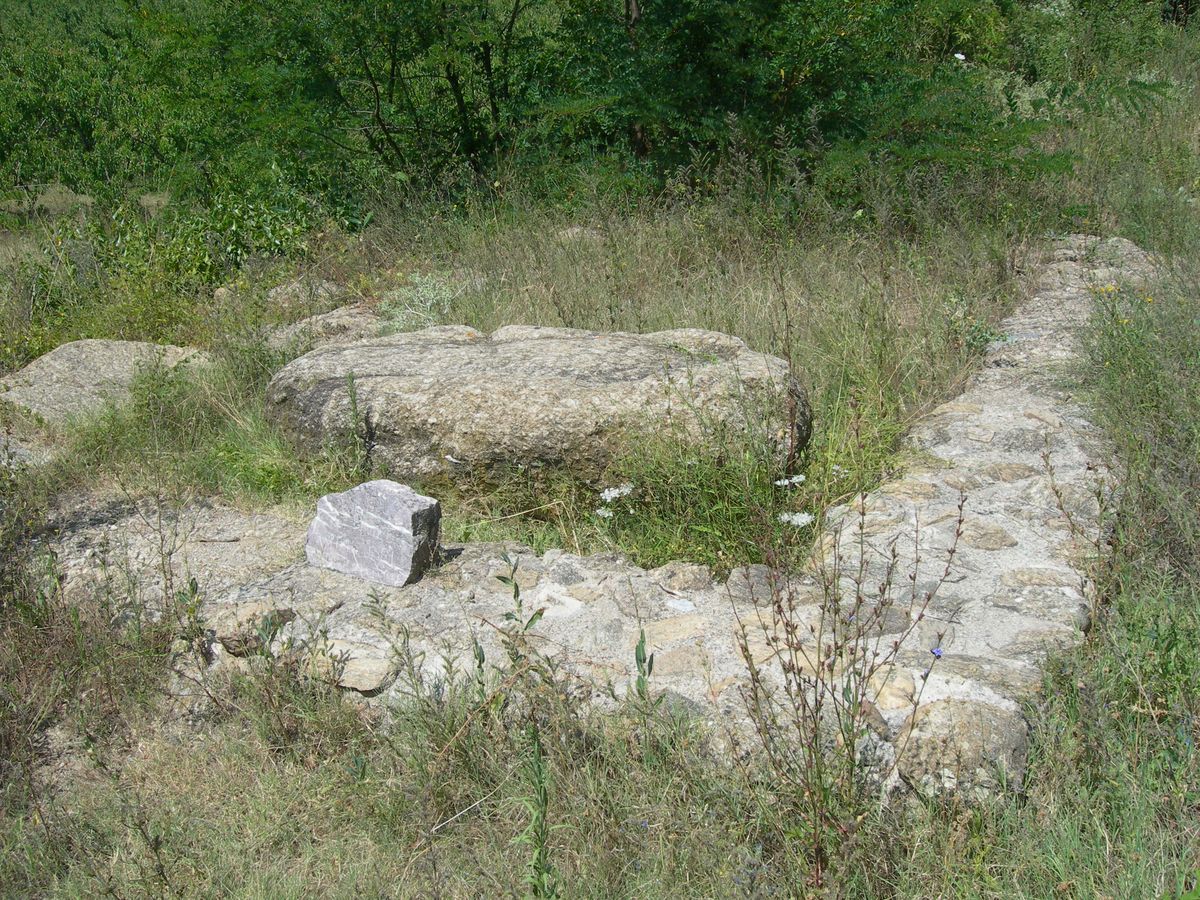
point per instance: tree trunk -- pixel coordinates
(637, 130)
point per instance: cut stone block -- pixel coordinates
(379, 531)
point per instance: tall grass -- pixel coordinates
(878, 325)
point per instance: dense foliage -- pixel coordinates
(333, 97)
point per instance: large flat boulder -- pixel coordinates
(79, 378)
(450, 399)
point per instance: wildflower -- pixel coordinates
(608, 495)
(937, 652)
(960, 57)
(838, 471)
(790, 482)
(797, 519)
(604, 512)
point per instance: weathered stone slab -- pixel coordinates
(79, 378)
(450, 400)
(379, 531)
(252, 569)
(145, 554)
(343, 325)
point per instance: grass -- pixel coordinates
(287, 788)
(843, 304)
(290, 789)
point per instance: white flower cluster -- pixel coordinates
(838, 471)
(797, 519)
(790, 482)
(608, 495)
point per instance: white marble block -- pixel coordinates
(380, 531)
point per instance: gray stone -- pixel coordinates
(305, 293)
(79, 378)
(108, 546)
(450, 400)
(15, 454)
(964, 747)
(380, 531)
(241, 628)
(754, 583)
(344, 325)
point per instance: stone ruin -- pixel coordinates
(987, 532)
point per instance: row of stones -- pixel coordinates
(995, 520)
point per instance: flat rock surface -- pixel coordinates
(139, 551)
(450, 399)
(250, 566)
(79, 378)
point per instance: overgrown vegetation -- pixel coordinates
(829, 181)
